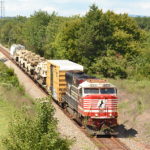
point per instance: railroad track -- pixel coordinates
(103, 143)
(111, 143)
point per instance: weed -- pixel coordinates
(140, 107)
(123, 105)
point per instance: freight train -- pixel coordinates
(91, 101)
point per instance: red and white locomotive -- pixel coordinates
(92, 101)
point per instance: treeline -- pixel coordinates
(111, 45)
(143, 22)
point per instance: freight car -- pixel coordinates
(91, 101)
(41, 72)
(16, 47)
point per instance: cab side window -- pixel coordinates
(80, 92)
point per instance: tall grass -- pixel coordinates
(136, 91)
(12, 97)
(6, 111)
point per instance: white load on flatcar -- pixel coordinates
(16, 47)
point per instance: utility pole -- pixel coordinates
(2, 9)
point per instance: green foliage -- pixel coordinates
(11, 30)
(139, 67)
(143, 22)
(140, 107)
(66, 47)
(85, 40)
(110, 67)
(34, 31)
(5, 115)
(88, 41)
(52, 30)
(7, 77)
(37, 133)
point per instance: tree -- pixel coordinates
(11, 30)
(37, 133)
(88, 39)
(66, 40)
(52, 30)
(110, 67)
(34, 31)
(84, 40)
(143, 22)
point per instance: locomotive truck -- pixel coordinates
(91, 101)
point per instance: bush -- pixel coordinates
(7, 76)
(35, 133)
(110, 67)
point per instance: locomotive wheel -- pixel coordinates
(84, 122)
(63, 105)
(90, 131)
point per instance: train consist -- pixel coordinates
(91, 101)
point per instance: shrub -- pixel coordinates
(8, 78)
(109, 67)
(35, 133)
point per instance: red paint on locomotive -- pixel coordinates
(99, 109)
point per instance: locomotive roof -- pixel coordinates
(98, 84)
(66, 65)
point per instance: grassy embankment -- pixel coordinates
(134, 104)
(6, 111)
(36, 119)
(12, 97)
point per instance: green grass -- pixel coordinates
(134, 104)
(138, 91)
(123, 105)
(6, 111)
(12, 97)
(10, 101)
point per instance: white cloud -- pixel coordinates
(50, 9)
(73, 7)
(135, 7)
(143, 5)
(71, 12)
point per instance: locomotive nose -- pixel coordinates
(100, 106)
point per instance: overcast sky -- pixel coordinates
(74, 7)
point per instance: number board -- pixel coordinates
(106, 85)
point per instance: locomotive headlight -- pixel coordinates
(110, 115)
(96, 115)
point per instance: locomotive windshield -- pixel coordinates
(91, 91)
(107, 91)
(99, 91)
